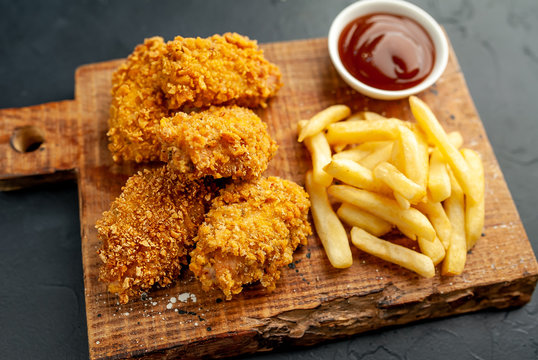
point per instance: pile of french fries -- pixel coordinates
(389, 173)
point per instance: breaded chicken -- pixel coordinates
(219, 70)
(159, 79)
(149, 230)
(250, 233)
(138, 104)
(228, 141)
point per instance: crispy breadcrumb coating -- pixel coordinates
(149, 230)
(228, 141)
(219, 70)
(250, 233)
(159, 79)
(138, 104)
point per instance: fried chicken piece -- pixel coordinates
(149, 230)
(159, 79)
(219, 70)
(227, 141)
(250, 233)
(138, 104)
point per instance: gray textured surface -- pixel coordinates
(41, 44)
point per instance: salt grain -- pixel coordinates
(184, 297)
(169, 306)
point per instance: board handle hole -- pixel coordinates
(27, 139)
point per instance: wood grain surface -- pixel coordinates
(313, 302)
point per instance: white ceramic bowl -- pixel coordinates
(396, 7)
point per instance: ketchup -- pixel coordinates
(385, 51)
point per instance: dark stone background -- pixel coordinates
(42, 43)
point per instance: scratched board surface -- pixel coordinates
(313, 302)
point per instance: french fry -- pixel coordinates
(355, 153)
(456, 254)
(403, 202)
(358, 116)
(433, 129)
(412, 165)
(355, 216)
(330, 230)
(434, 250)
(435, 212)
(423, 166)
(358, 152)
(455, 139)
(396, 254)
(396, 157)
(438, 181)
(398, 182)
(372, 146)
(353, 117)
(385, 208)
(320, 121)
(352, 173)
(416, 163)
(406, 231)
(339, 147)
(352, 132)
(321, 155)
(377, 156)
(368, 116)
(474, 210)
(301, 124)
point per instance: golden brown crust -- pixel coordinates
(250, 233)
(222, 70)
(149, 230)
(138, 104)
(161, 78)
(219, 142)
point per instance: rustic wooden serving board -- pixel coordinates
(313, 302)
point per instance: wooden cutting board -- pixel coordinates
(313, 302)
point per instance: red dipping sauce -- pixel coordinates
(386, 51)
